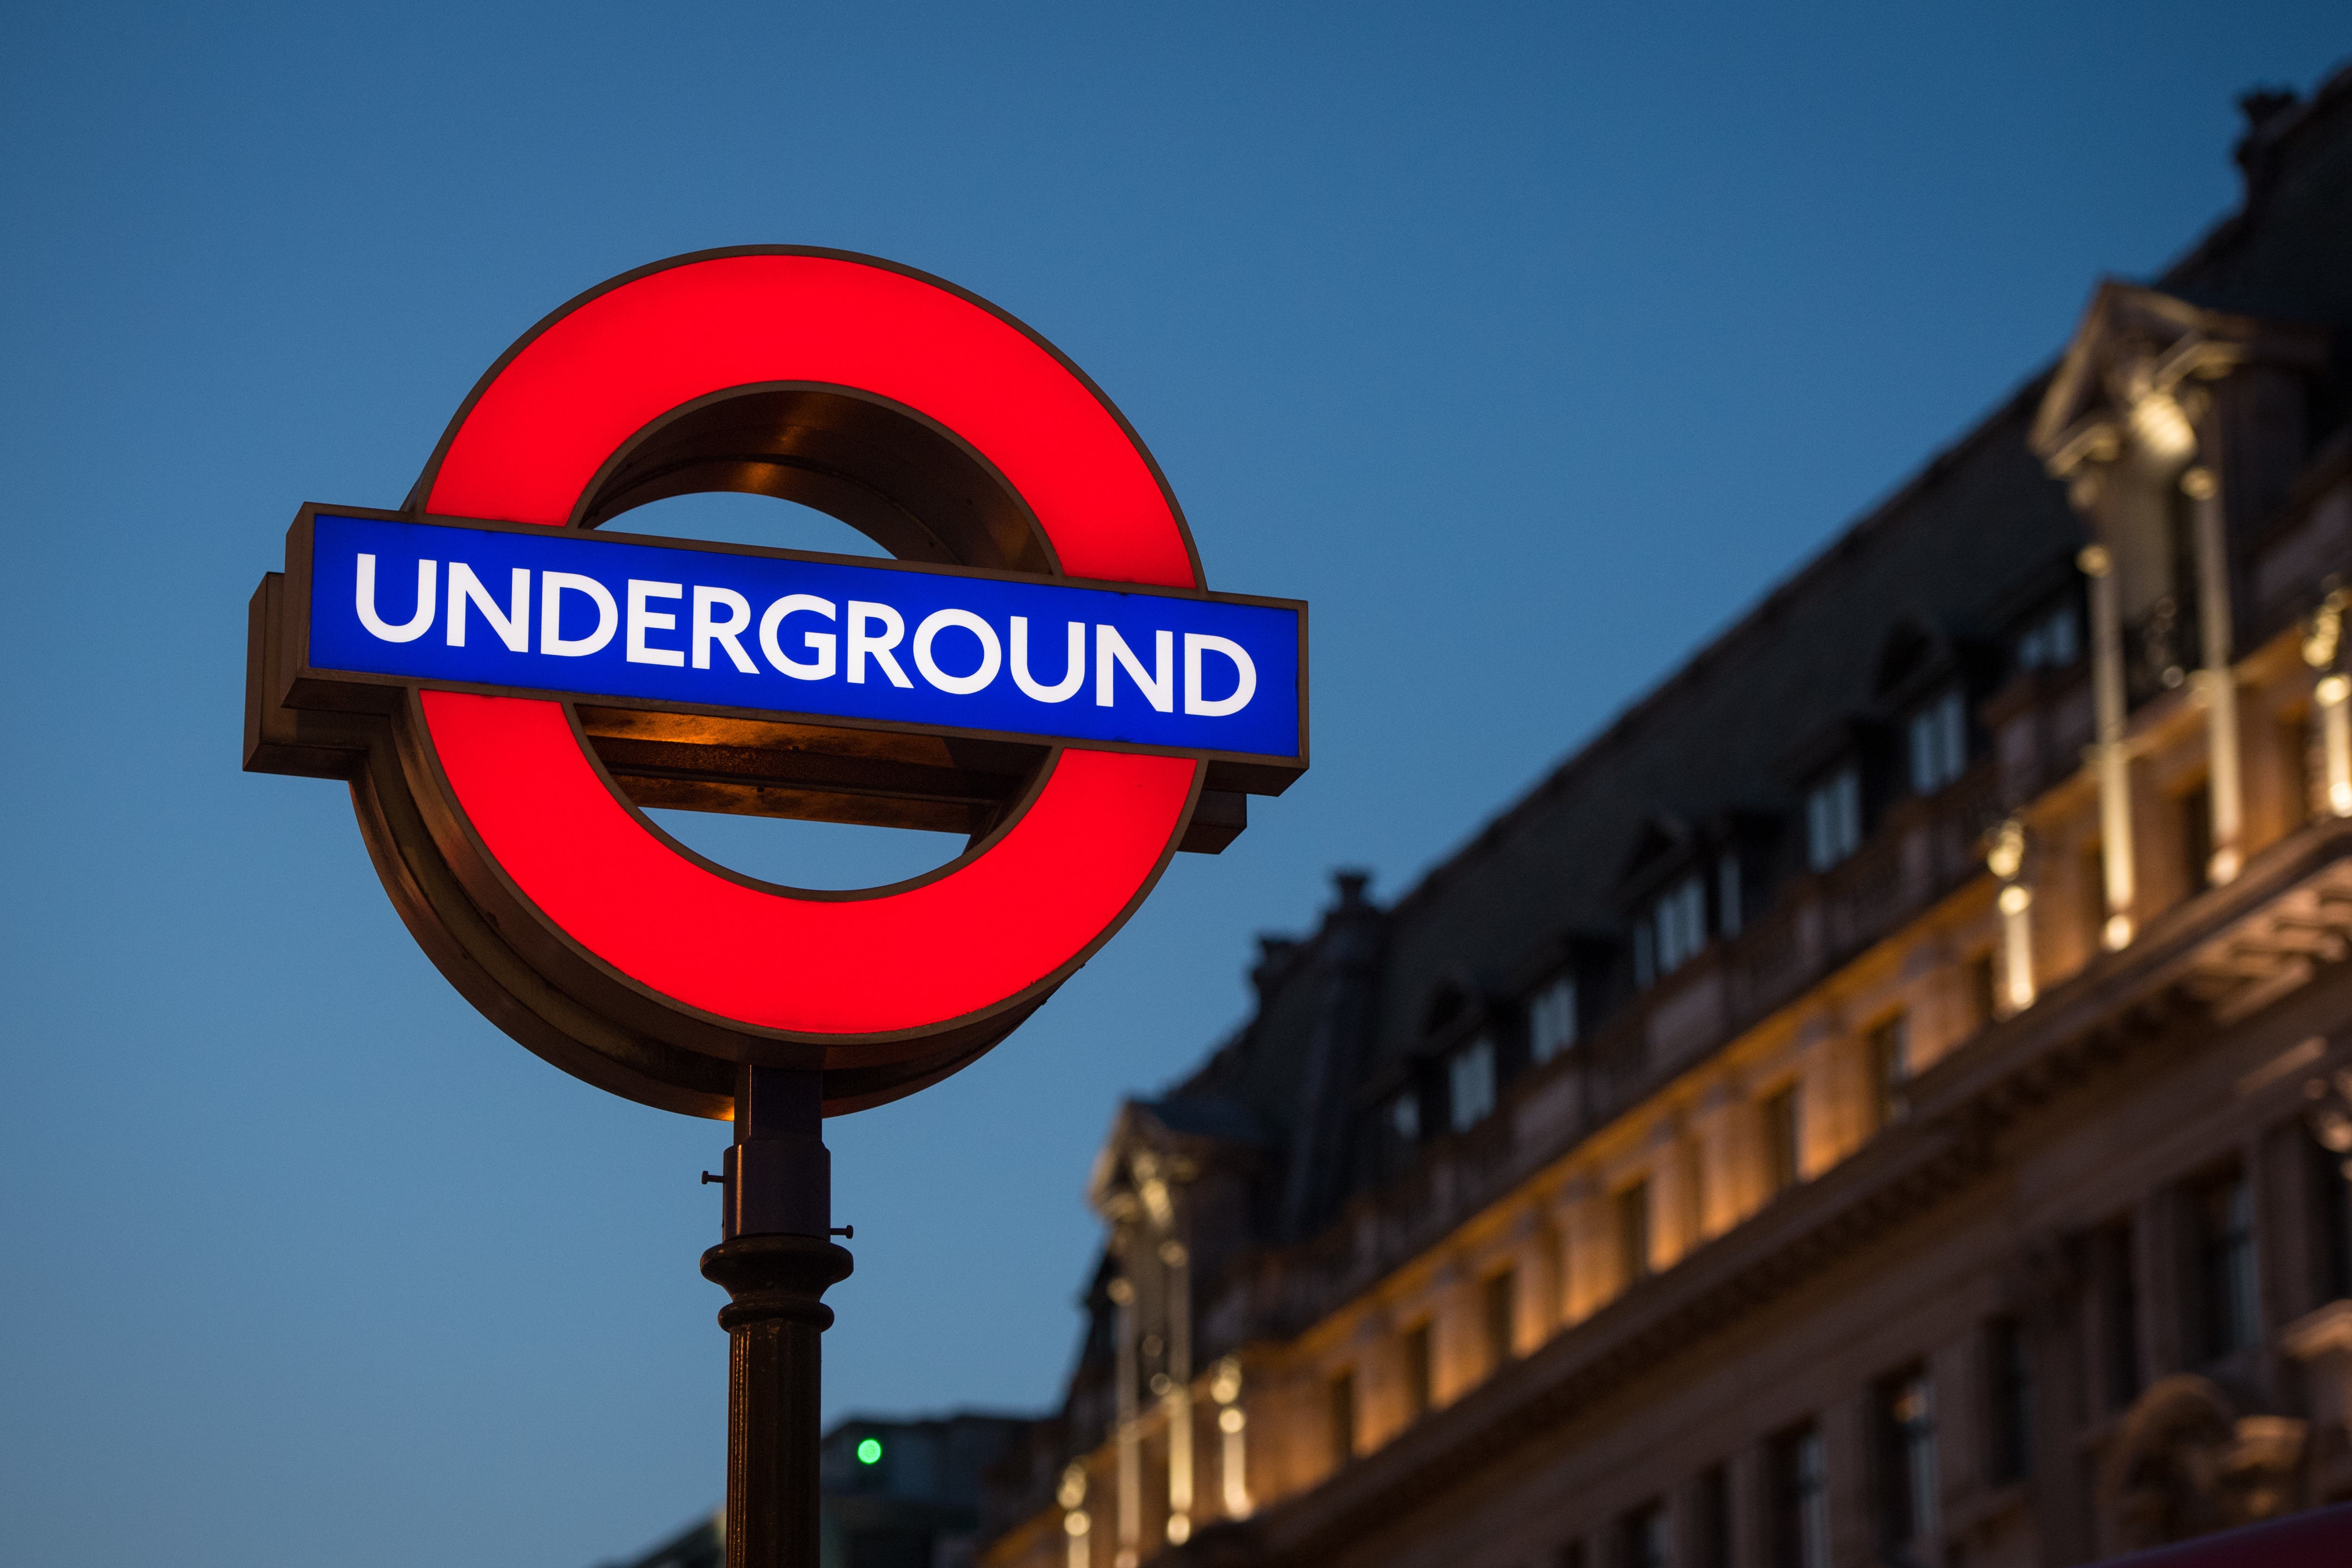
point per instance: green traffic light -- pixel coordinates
(870, 1451)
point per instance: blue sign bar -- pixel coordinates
(574, 614)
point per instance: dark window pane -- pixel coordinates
(1711, 1521)
(1417, 1388)
(2332, 1212)
(1890, 1068)
(1783, 1140)
(1342, 1405)
(1641, 1537)
(1634, 1233)
(1983, 999)
(2223, 1214)
(2197, 839)
(2008, 1374)
(1909, 1486)
(1502, 1315)
(2115, 1270)
(1798, 1500)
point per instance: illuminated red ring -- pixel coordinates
(904, 959)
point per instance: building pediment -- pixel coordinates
(1174, 1139)
(2122, 382)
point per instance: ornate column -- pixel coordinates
(2321, 645)
(2006, 860)
(1130, 1435)
(2219, 679)
(1076, 1524)
(1176, 1402)
(1233, 1460)
(2110, 756)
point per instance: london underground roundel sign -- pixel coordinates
(508, 684)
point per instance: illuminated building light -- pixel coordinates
(2335, 740)
(2163, 428)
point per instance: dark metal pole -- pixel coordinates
(775, 1259)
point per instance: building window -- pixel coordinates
(2116, 1284)
(1419, 1388)
(1551, 1019)
(1784, 1163)
(1634, 1233)
(1730, 910)
(2223, 1214)
(1889, 1049)
(1711, 1518)
(2051, 640)
(1833, 818)
(1501, 1302)
(1983, 994)
(1470, 1084)
(2332, 1212)
(1908, 1484)
(1798, 1493)
(1677, 927)
(1404, 1117)
(2093, 884)
(1641, 1537)
(1939, 734)
(2195, 809)
(1339, 1402)
(2009, 1380)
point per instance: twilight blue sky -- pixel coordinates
(1529, 343)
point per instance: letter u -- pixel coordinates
(427, 602)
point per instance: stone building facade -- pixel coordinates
(1883, 1099)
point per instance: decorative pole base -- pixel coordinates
(773, 1414)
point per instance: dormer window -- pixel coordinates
(1938, 732)
(1833, 818)
(1404, 1117)
(1682, 924)
(1551, 1019)
(1729, 891)
(1671, 930)
(1470, 1084)
(2051, 640)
